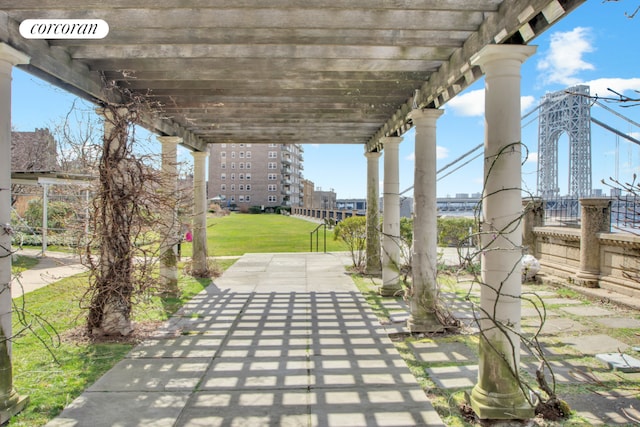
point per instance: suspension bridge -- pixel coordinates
(563, 112)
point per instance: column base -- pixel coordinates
(391, 290)
(428, 324)
(587, 279)
(497, 406)
(12, 406)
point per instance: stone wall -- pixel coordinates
(558, 250)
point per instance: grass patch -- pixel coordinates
(52, 379)
(237, 234)
(22, 263)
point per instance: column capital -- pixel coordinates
(104, 112)
(13, 56)
(373, 154)
(504, 52)
(426, 116)
(170, 139)
(391, 140)
(200, 154)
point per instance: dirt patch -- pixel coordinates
(141, 331)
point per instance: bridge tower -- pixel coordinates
(567, 111)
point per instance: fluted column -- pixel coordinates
(391, 241)
(10, 402)
(170, 224)
(200, 266)
(373, 261)
(497, 393)
(424, 256)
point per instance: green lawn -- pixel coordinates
(53, 379)
(237, 234)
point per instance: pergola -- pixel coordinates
(297, 72)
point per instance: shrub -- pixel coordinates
(454, 231)
(353, 232)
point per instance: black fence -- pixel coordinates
(565, 212)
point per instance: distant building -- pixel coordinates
(266, 175)
(359, 205)
(308, 189)
(33, 151)
(324, 199)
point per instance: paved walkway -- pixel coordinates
(278, 340)
(50, 268)
(287, 340)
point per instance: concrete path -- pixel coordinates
(278, 340)
(50, 268)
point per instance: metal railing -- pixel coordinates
(625, 213)
(316, 231)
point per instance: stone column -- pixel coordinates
(10, 402)
(424, 257)
(533, 217)
(596, 218)
(171, 229)
(391, 242)
(200, 267)
(497, 395)
(373, 261)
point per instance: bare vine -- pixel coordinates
(488, 234)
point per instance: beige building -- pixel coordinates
(265, 175)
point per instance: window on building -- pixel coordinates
(233, 187)
(241, 154)
(248, 145)
(233, 154)
(272, 199)
(273, 154)
(247, 187)
(247, 198)
(223, 165)
(233, 199)
(248, 154)
(223, 176)
(272, 177)
(272, 187)
(233, 176)
(241, 145)
(248, 165)
(272, 165)
(241, 165)
(273, 145)
(241, 198)
(223, 187)
(241, 187)
(223, 154)
(248, 176)
(223, 145)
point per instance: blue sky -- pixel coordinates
(595, 45)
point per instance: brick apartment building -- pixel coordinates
(266, 175)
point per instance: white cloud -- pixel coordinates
(469, 104)
(600, 87)
(532, 157)
(564, 59)
(315, 145)
(441, 153)
(635, 135)
(526, 102)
